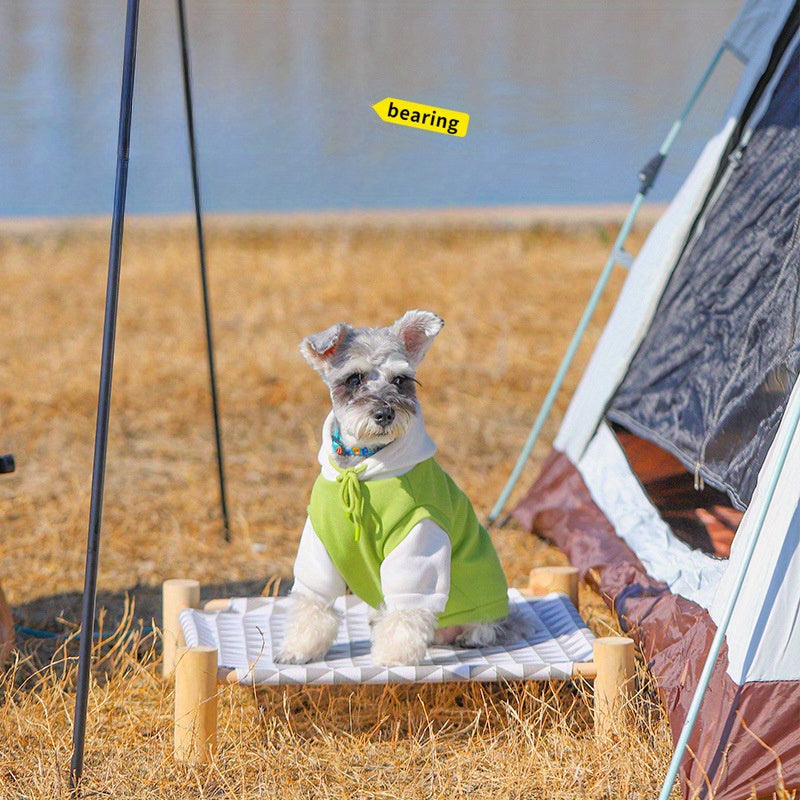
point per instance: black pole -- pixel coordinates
(104, 398)
(187, 91)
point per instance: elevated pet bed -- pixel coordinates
(234, 641)
(547, 638)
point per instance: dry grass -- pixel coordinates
(510, 298)
(524, 740)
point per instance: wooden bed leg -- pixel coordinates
(613, 658)
(176, 594)
(543, 580)
(195, 704)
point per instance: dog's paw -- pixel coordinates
(480, 634)
(310, 631)
(402, 637)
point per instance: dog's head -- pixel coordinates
(371, 374)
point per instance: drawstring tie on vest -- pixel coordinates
(351, 496)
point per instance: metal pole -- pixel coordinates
(187, 91)
(647, 177)
(104, 398)
(566, 362)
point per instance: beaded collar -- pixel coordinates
(340, 449)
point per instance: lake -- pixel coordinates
(566, 101)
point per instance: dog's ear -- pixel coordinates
(417, 330)
(318, 349)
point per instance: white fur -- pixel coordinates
(480, 634)
(310, 631)
(402, 637)
(359, 430)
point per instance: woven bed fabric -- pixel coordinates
(548, 636)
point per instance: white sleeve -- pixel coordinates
(416, 574)
(315, 574)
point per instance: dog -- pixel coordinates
(384, 519)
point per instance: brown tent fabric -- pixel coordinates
(747, 737)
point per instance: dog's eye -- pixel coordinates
(354, 380)
(401, 379)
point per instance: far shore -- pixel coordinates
(563, 217)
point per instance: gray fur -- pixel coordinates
(370, 373)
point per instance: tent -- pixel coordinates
(674, 481)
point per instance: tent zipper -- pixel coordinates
(699, 483)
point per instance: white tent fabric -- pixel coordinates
(619, 495)
(758, 20)
(764, 631)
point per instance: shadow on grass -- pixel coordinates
(44, 626)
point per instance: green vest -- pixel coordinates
(361, 522)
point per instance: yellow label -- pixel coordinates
(427, 118)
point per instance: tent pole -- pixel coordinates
(647, 178)
(566, 362)
(722, 627)
(104, 399)
(187, 91)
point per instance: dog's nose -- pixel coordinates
(384, 416)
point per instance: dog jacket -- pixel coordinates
(360, 522)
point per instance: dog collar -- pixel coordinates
(340, 449)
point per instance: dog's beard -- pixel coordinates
(359, 429)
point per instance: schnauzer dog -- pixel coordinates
(384, 519)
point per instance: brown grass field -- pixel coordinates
(510, 292)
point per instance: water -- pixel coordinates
(567, 100)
